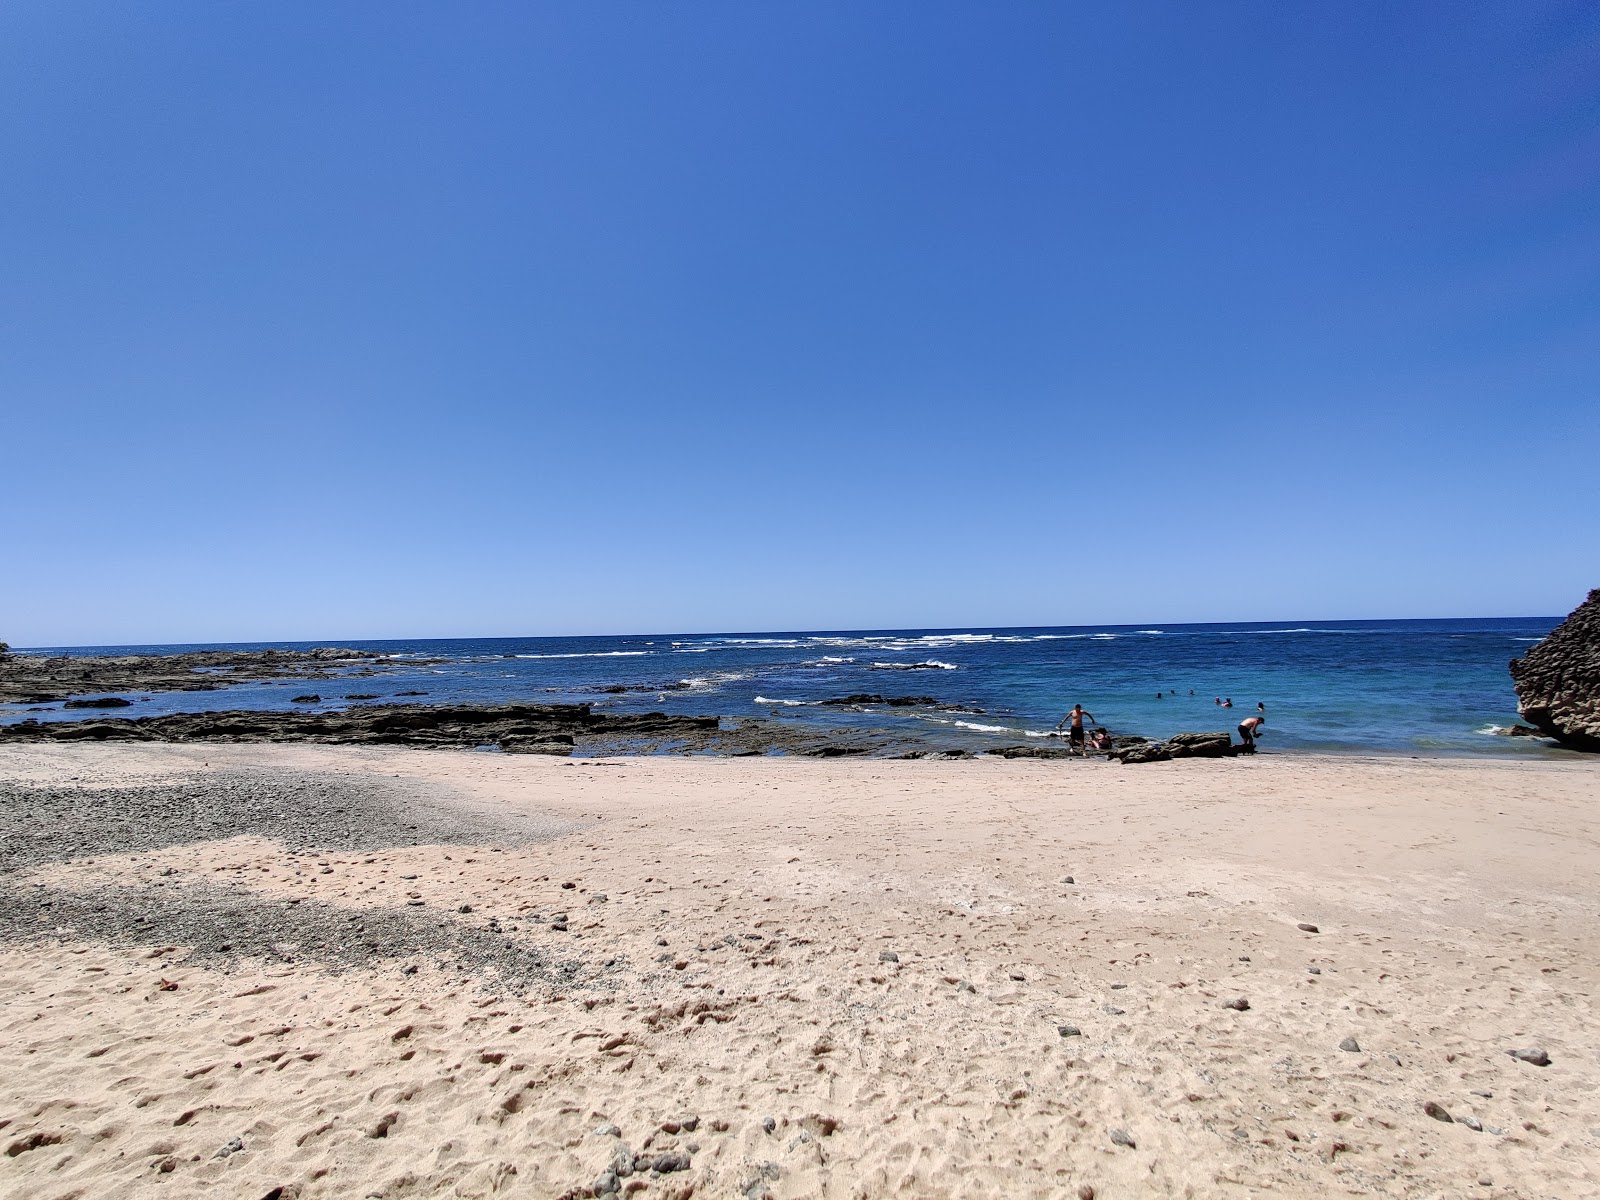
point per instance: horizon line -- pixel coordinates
(1135, 626)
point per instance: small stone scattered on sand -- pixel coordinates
(1238, 1004)
(1121, 1137)
(1350, 1045)
(1307, 927)
(1531, 1055)
(1438, 1112)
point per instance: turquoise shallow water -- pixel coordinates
(1391, 687)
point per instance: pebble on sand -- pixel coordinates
(1350, 1046)
(1069, 1031)
(1121, 1137)
(1238, 1004)
(1531, 1055)
(1438, 1112)
(1307, 927)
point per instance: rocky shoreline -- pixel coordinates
(81, 683)
(41, 679)
(566, 729)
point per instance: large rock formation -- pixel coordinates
(1558, 681)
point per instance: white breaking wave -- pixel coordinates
(716, 680)
(982, 728)
(1042, 733)
(1150, 631)
(592, 654)
(786, 703)
(932, 663)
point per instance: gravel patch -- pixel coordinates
(210, 925)
(301, 810)
(213, 926)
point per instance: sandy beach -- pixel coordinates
(464, 974)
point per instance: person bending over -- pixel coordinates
(1248, 728)
(1075, 733)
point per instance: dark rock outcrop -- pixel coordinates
(1558, 680)
(1033, 752)
(99, 702)
(522, 728)
(37, 678)
(1200, 745)
(1179, 745)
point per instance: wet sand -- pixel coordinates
(252, 971)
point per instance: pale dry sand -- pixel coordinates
(1456, 903)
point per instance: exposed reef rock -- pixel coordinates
(1558, 680)
(1181, 745)
(37, 679)
(1062, 749)
(520, 728)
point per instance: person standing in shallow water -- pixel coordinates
(1075, 733)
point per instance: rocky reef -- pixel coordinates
(516, 728)
(40, 679)
(1182, 745)
(1558, 680)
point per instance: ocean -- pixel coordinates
(1416, 687)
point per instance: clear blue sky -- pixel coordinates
(325, 320)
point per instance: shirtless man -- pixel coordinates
(1249, 727)
(1075, 734)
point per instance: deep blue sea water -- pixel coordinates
(1391, 687)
